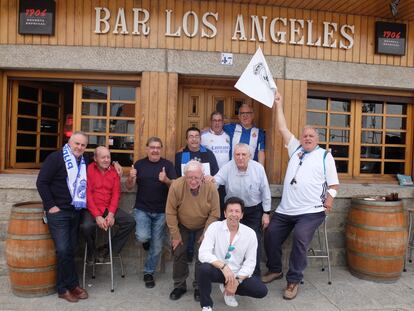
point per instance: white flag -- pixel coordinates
(257, 82)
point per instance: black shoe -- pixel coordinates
(196, 294)
(146, 245)
(177, 293)
(149, 280)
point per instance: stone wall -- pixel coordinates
(21, 188)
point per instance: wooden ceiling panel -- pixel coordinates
(376, 8)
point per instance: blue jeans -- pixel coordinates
(63, 227)
(150, 228)
(280, 226)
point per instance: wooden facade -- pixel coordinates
(161, 101)
(75, 26)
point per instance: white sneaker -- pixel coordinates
(207, 309)
(229, 300)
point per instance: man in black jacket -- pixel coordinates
(62, 186)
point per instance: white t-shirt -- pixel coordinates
(218, 144)
(308, 193)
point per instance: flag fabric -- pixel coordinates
(257, 81)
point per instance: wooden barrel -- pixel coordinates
(30, 252)
(376, 237)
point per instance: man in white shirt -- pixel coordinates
(218, 142)
(228, 256)
(310, 186)
(246, 179)
(216, 139)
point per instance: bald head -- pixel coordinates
(102, 157)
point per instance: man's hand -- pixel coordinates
(328, 203)
(176, 243)
(231, 288)
(265, 220)
(110, 220)
(132, 173)
(200, 239)
(54, 210)
(229, 277)
(118, 168)
(163, 176)
(208, 178)
(100, 221)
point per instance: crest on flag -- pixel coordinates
(257, 81)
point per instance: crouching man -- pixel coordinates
(228, 256)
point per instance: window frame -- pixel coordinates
(356, 96)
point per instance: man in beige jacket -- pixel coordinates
(192, 205)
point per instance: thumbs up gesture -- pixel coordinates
(133, 172)
(163, 175)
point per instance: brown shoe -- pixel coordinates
(291, 291)
(79, 293)
(68, 296)
(271, 276)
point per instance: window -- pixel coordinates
(108, 117)
(37, 113)
(368, 138)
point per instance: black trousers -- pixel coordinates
(207, 274)
(180, 264)
(125, 222)
(252, 217)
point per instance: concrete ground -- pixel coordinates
(346, 293)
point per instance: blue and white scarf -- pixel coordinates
(76, 178)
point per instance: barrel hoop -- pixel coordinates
(26, 217)
(370, 256)
(29, 237)
(379, 209)
(377, 228)
(31, 287)
(377, 274)
(33, 270)
(22, 209)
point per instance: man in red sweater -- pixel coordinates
(103, 193)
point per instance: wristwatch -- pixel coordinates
(332, 192)
(239, 280)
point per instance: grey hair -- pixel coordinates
(242, 145)
(192, 166)
(310, 127)
(77, 133)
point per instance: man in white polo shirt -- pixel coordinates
(310, 186)
(218, 142)
(216, 139)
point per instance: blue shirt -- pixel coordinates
(245, 138)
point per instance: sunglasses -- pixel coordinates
(230, 249)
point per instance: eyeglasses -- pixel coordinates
(194, 178)
(245, 113)
(230, 249)
(154, 147)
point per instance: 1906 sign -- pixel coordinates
(37, 17)
(390, 38)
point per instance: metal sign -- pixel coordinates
(37, 17)
(390, 38)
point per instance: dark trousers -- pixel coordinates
(180, 264)
(124, 221)
(252, 217)
(280, 226)
(222, 194)
(207, 274)
(63, 227)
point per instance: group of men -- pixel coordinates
(218, 175)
